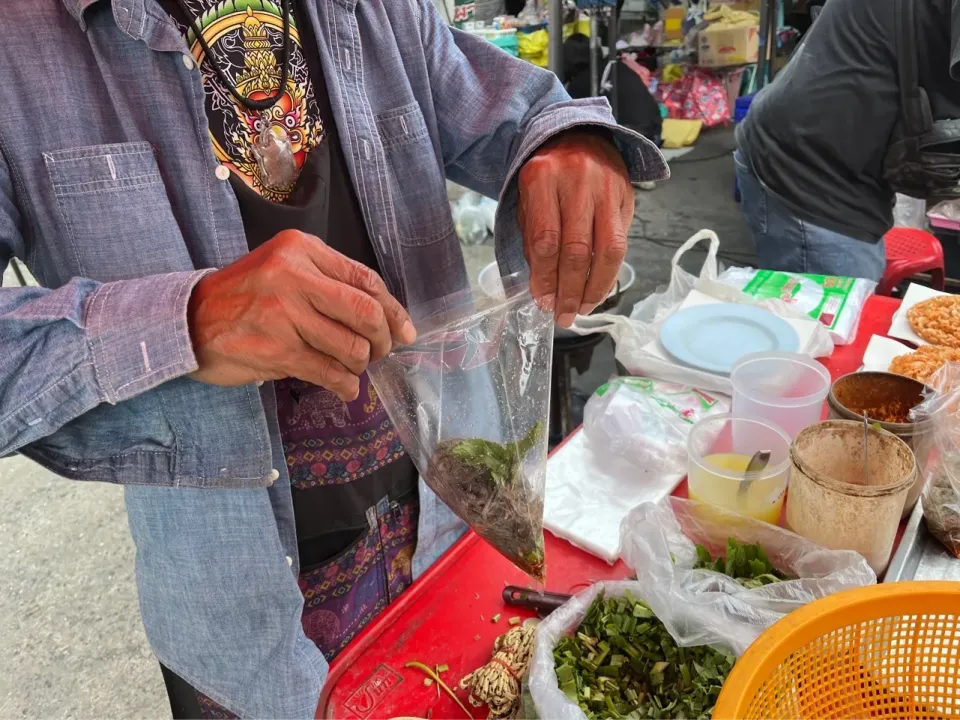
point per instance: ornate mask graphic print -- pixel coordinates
(266, 148)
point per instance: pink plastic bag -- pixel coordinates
(698, 95)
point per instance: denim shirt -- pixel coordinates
(109, 193)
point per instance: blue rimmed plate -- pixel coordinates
(713, 337)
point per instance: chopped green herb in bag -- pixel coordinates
(482, 481)
(623, 663)
(747, 564)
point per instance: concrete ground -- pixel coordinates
(71, 642)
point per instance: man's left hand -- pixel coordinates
(575, 207)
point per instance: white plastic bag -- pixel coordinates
(473, 217)
(910, 212)
(702, 607)
(633, 449)
(632, 334)
(837, 302)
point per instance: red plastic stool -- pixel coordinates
(909, 252)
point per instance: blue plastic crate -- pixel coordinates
(742, 106)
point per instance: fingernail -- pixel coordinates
(408, 333)
(586, 309)
(547, 303)
(566, 320)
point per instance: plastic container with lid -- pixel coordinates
(720, 448)
(788, 389)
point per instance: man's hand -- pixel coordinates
(294, 307)
(576, 205)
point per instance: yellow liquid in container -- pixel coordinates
(763, 500)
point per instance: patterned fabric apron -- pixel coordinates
(331, 443)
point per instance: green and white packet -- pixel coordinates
(834, 301)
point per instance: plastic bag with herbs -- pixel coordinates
(731, 602)
(941, 492)
(606, 654)
(709, 582)
(470, 403)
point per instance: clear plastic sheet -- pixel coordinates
(470, 403)
(941, 493)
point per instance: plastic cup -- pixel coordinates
(720, 448)
(788, 389)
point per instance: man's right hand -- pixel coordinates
(294, 307)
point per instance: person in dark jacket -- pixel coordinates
(810, 151)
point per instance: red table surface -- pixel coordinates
(445, 618)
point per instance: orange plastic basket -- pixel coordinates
(884, 651)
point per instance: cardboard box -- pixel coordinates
(673, 24)
(724, 45)
(745, 5)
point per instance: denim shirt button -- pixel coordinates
(222, 172)
(272, 477)
(289, 561)
(187, 61)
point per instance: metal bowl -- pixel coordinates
(851, 394)
(858, 391)
(490, 285)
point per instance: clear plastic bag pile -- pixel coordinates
(470, 403)
(941, 494)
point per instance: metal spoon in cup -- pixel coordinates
(756, 465)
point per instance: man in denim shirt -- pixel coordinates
(147, 356)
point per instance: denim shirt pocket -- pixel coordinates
(415, 177)
(115, 211)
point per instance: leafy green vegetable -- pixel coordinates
(747, 564)
(501, 461)
(623, 663)
(484, 483)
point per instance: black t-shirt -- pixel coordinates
(248, 45)
(303, 112)
(817, 136)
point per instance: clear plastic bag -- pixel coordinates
(633, 449)
(646, 422)
(701, 607)
(469, 401)
(549, 702)
(698, 607)
(910, 212)
(941, 493)
(837, 302)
